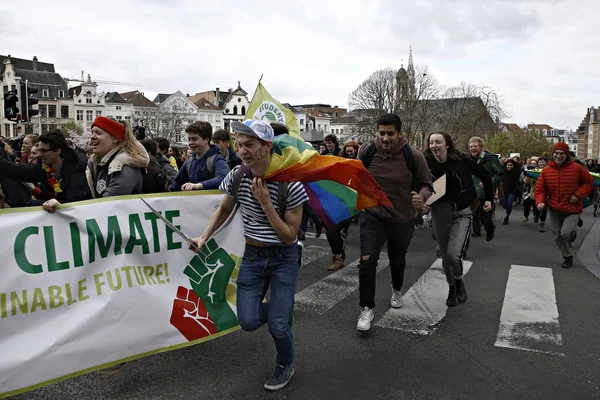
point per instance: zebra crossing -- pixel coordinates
(528, 321)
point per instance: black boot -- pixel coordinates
(451, 300)
(568, 262)
(461, 293)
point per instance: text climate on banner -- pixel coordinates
(108, 281)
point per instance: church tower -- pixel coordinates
(405, 82)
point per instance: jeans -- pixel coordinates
(373, 234)
(277, 267)
(334, 237)
(452, 229)
(563, 229)
(481, 217)
(507, 203)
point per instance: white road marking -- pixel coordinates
(310, 235)
(323, 295)
(529, 318)
(313, 253)
(424, 303)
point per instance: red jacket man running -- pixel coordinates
(562, 186)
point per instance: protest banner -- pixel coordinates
(106, 281)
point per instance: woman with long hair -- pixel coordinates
(350, 150)
(115, 167)
(510, 185)
(29, 141)
(451, 214)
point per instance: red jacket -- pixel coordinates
(556, 185)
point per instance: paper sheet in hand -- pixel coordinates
(439, 186)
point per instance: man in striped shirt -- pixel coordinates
(271, 255)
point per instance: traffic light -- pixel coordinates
(10, 105)
(27, 101)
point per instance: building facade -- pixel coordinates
(88, 103)
(55, 106)
(588, 135)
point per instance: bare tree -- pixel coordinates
(373, 97)
(166, 121)
(469, 110)
(415, 106)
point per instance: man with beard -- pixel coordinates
(562, 186)
(402, 173)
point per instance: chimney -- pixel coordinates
(217, 97)
(35, 66)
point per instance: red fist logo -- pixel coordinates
(190, 315)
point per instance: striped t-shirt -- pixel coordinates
(256, 224)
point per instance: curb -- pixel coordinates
(589, 252)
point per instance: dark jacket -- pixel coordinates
(117, 173)
(14, 193)
(199, 172)
(492, 164)
(71, 176)
(168, 171)
(459, 169)
(232, 159)
(510, 180)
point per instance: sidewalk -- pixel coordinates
(589, 252)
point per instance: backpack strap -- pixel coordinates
(210, 165)
(282, 189)
(282, 194)
(368, 154)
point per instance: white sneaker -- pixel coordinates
(364, 319)
(396, 301)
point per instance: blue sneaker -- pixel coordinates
(280, 377)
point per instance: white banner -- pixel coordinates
(106, 281)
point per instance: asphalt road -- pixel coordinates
(457, 359)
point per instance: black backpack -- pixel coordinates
(154, 181)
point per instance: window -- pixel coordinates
(89, 115)
(243, 110)
(98, 113)
(234, 110)
(325, 128)
(341, 131)
(319, 127)
(61, 94)
(79, 115)
(43, 110)
(118, 107)
(52, 111)
(127, 118)
(5, 90)
(45, 127)
(64, 111)
(45, 93)
(13, 87)
(301, 121)
(88, 101)
(52, 127)
(218, 118)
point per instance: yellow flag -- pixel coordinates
(265, 107)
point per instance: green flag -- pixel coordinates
(264, 107)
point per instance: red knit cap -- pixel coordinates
(112, 127)
(561, 146)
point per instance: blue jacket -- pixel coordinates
(199, 173)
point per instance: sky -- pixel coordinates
(541, 57)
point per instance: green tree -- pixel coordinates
(526, 143)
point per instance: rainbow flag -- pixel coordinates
(338, 188)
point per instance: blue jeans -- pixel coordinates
(277, 267)
(374, 232)
(507, 203)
